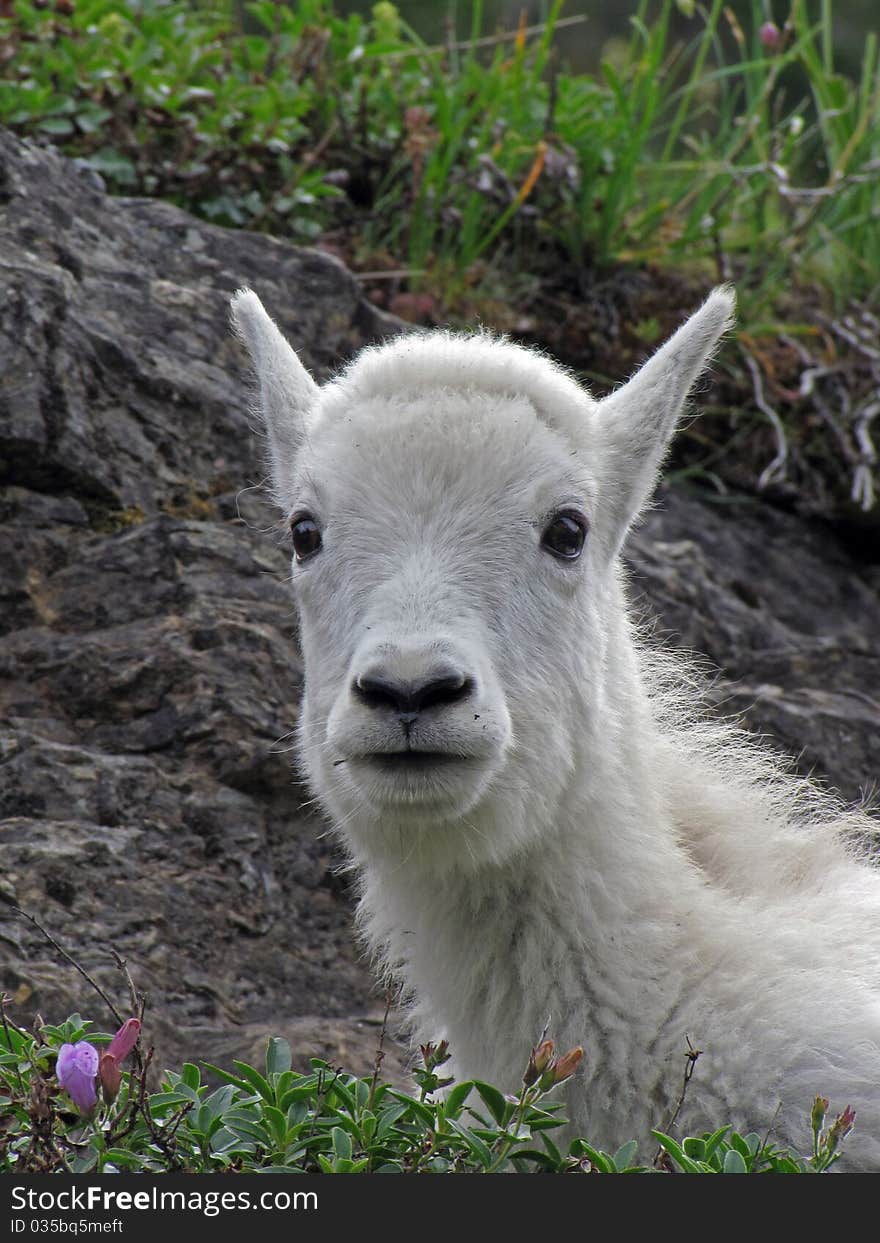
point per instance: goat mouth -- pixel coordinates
(411, 761)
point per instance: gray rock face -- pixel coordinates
(788, 617)
(148, 673)
(148, 668)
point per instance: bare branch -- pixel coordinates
(69, 958)
(776, 469)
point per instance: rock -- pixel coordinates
(148, 666)
(788, 618)
(148, 669)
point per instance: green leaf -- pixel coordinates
(256, 1080)
(733, 1163)
(112, 164)
(543, 1123)
(278, 1057)
(60, 126)
(246, 1129)
(624, 1155)
(90, 118)
(499, 1108)
(84, 1163)
(297, 1113)
(388, 1117)
(14, 1040)
(416, 1108)
(712, 1141)
(162, 1101)
(124, 1159)
(476, 1145)
(191, 1076)
(457, 1097)
(677, 1153)
(277, 1125)
(522, 1156)
(785, 1165)
(225, 1075)
(305, 1089)
(341, 1091)
(218, 1102)
(341, 1142)
(598, 1159)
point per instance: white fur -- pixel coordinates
(601, 855)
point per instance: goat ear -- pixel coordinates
(636, 421)
(287, 391)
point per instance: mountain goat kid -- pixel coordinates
(540, 824)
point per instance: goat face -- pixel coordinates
(456, 507)
(441, 543)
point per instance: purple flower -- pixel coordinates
(76, 1068)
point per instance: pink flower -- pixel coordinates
(120, 1046)
(840, 1128)
(76, 1068)
(124, 1040)
(770, 36)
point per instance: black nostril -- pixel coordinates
(406, 698)
(376, 693)
(448, 690)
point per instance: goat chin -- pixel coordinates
(542, 822)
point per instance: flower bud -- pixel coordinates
(770, 36)
(818, 1112)
(435, 1054)
(840, 1128)
(568, 1064)
(110, 1076)
(539, 1060)
(125, 1040)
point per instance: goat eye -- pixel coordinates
(564, 536)
(306, 536)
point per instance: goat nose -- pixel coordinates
(408, 699)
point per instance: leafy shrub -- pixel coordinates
(276, 1120)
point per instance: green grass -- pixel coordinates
(465, 162)
(275, 1120)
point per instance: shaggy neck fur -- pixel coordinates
(647, 914)
(545, 936)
